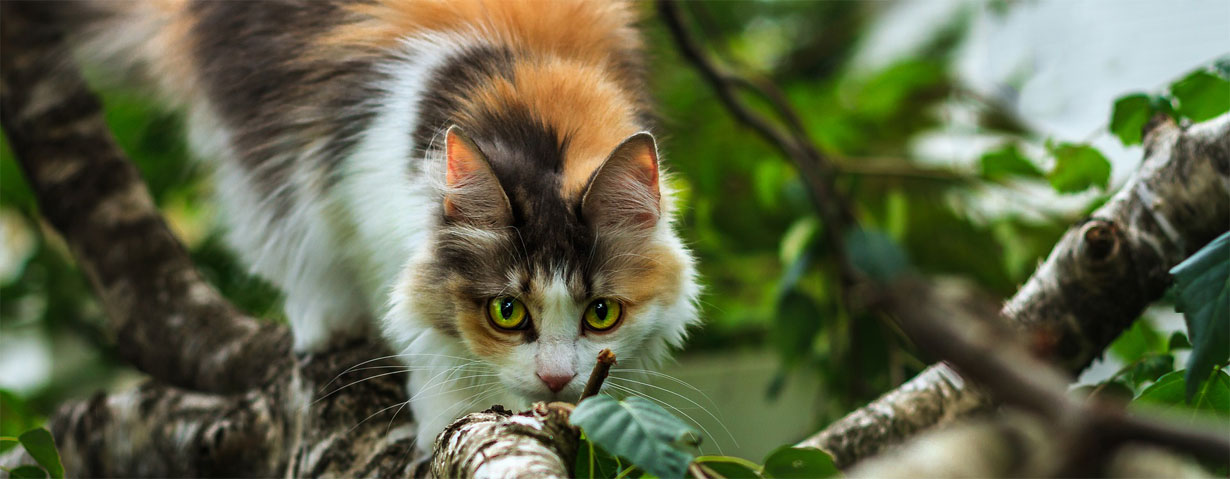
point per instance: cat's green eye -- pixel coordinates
(506, 312)
(603, 314)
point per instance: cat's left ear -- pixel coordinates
(624, 191)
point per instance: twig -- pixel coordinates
(602, 368)
(833, 207)
(963, 334)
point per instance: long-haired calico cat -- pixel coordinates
(476, 177)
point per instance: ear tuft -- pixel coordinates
(624, 191)
(474, 194)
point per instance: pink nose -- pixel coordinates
(556, 381)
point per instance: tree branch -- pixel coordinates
(175, 327)
(167, 321)
(1098, 279)
(833, 208)
(937, 395)
(1096, 282)
(1012, 446)
(539, 443)
(335, 414)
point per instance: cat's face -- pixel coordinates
(534, 281)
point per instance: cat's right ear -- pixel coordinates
(474, 195)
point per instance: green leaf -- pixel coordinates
(796, 324)
(1164, 104)
(731, 467)
(28, 472)
(1110, 389)
(1129, 116)
(1202, 95)
(15, 418)
(42, 447)
(788, 462)
(1077, 167)
(1136, 341)
(639, 430)
(1178, 340)
(798, 238)
(875, 254)
(594, 462)
(1169, 394)
(1150, 368)
(1202, 294)
(1007, 161)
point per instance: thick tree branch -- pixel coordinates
(177, 328)
(167, 321)
(497, 443)
(937, 395)
(965, 332)
(1099, 277)
(1012, 446)
(282, 415)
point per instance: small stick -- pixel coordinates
(603, 367)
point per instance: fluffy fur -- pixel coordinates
(393, 165)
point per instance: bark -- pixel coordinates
(1099, 278)
(539, 443)
(1016, 446)
(166, 320)
(228, 398)
(936, 395)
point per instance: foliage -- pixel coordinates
(770, 282)
(646, 441)
(1200, 95)
(1077, 167)
(1005, 162)
(639, 430)
(39, 444)
(1128, 118)
(1171, 390)
(876, 255)
(1202, 287)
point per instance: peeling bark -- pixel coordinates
(186, 334)
(1106, 270)
(230, 399)
(936, 395)
(1016, 446)
(1098, 279)
(497, 444)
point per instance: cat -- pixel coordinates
(475, 180)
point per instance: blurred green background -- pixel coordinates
(906, 97)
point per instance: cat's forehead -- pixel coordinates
(528, 159)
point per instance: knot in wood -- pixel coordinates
(1099, 241)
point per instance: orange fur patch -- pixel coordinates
(572, 82)
(594, 29)
(651, 274)
(483, 339)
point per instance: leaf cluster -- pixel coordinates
(635, 438)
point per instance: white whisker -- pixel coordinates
(669, 406)
(685, 398)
